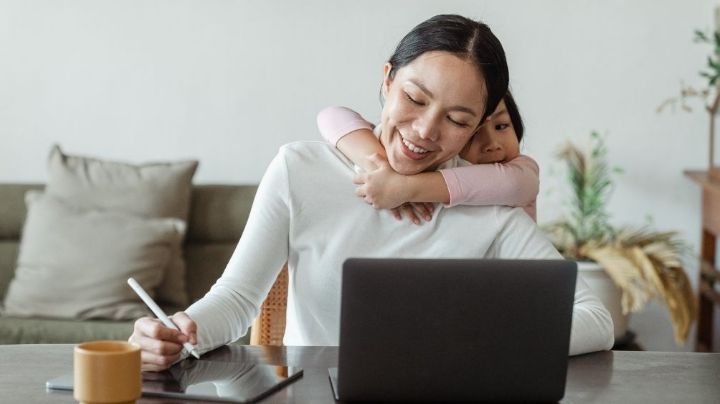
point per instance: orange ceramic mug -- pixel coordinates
(107, 372)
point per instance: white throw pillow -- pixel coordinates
(156, 190)
(74, 262)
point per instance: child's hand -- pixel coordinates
(414, 209)
(382, 187)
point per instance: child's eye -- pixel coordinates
(414, 101)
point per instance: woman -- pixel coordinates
(306, 213)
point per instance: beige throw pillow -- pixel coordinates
(153, 190)
(74, 262)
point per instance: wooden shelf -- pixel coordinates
(708, 296)
(697, 176)
(704, 177)
(708, 271)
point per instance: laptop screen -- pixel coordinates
(460, 329)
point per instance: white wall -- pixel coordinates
(227, 82)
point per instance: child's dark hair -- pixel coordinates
(514, 114)
(465, 38)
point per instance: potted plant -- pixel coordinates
(632, 264)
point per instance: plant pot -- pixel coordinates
(608, 293)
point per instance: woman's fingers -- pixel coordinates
(153, 328)
(160, 345)
(186, 325)
(154, 362)
(157, 347)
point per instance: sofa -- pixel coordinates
(217, 218)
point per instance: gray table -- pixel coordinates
(604, 377)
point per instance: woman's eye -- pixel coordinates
(456, 123)
(502, 126)
(414, 101)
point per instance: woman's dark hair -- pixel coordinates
(514, 114)
(465, 38)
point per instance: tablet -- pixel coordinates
(235, 382)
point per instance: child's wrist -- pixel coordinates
(366, 164)
(411, 188)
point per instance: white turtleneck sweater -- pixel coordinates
(306, 213)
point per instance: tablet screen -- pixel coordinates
(231, 381)
(239, 382)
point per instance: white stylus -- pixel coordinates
(159, 313)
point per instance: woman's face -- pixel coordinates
(495, 141)
(432, 107)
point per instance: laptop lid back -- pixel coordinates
(455, 329)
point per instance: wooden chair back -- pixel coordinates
(269, 327)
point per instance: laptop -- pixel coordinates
(454, 330)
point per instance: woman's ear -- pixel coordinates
(387, 80)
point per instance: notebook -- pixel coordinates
(454, 329)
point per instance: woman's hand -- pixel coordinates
(160, 345)
(382, 187)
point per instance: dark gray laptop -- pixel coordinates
(454, 330)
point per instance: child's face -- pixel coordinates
(495, 141)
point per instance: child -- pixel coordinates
(500, 174)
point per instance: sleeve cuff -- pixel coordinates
(453, 184)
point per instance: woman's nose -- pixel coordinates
(426, 127)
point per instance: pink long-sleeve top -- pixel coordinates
(514, 183)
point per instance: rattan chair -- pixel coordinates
(269, 327)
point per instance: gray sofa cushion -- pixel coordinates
(8, 258)
(12, 216)
(211, 259)
(217, 219)
(15, 330)
(12, 209)
(46, 331)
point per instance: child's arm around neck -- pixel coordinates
(350, 133)
(353, 136)
(514, 183)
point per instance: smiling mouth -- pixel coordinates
(412, 150)
(413, 147)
